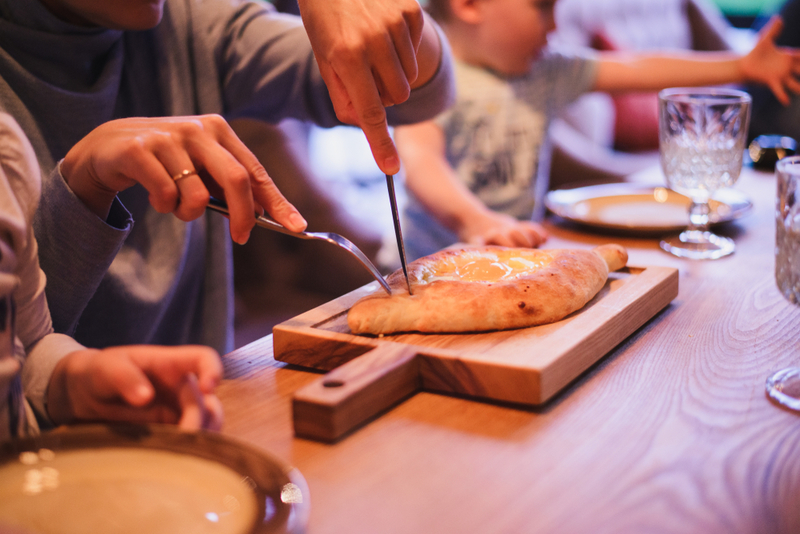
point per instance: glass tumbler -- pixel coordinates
(787, 228)
(784, 385)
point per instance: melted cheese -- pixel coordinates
(485, 266)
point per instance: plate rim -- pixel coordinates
(201, 444)
(595, 191)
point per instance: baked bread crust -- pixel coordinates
(554, 284)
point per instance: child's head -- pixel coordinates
(503, 35)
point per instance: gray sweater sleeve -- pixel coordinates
(35, 346)
(78, 245)
(268, 70)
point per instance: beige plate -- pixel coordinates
(638, 209)
(152, 479)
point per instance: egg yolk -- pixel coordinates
(485, 266)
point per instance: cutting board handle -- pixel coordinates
(355, 392)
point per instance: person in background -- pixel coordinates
(476, 173)
(150, 84)
(48, 378)
(770, 115)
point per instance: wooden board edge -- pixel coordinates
(304, 346)
(356, 392)
(562, 372)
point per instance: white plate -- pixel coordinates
(146, 479)
(639, 209)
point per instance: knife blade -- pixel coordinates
(398, 233)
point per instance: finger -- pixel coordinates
(214, 413)
(793, 85)
(339, 97)
(192, 193)
(393, 62)
(199, 411)
(537, 233)
(372, 120)
(208, 369)
(477, 240)
(283, 211)
(415, 20)
(521, 237)
(383, 149)
(191, 404)
(386, 99)
(169, 366)
(535, 239)
(392, 79)
(118, 377)
(234, 180)
(376, 131)
(500, 239)
(193, 196)
(260, 187)
(772, 29)
(780, 93)
(361, 88)
(150, 172)
(406, 44)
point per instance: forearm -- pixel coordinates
(433, 182)
(766, 64)
(449, 201)
(651, 72)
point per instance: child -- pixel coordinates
(478, 172)
(51, 378)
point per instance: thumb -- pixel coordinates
(131, 383)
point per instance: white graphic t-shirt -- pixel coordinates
(496, 140)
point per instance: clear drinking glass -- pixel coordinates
(784, 385)
(702, 135)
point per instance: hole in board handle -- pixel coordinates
(333, 383)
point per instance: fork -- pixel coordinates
(335, 239)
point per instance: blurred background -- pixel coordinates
(747, 13)
(329, 174)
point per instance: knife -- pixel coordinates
(398, 233)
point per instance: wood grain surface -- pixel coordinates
(671, 432)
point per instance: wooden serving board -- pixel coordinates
(526, 366)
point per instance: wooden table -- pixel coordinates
(671, 432)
